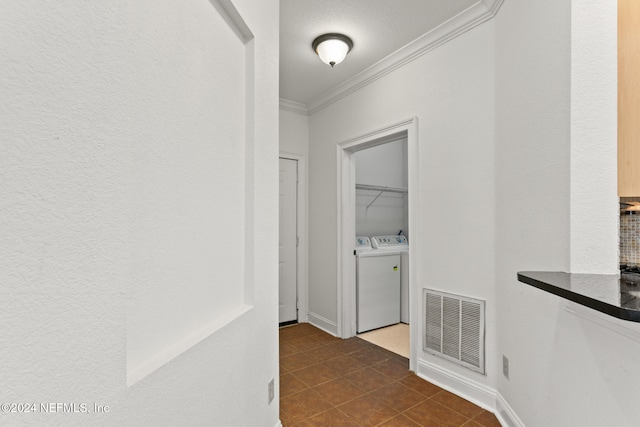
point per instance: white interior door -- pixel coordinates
(288, 294)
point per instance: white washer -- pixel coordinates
(377, 286)
(363, 244)
(398, 244)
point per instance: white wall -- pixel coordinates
(386, 215)
(517, 172)
(294, 132)
(594, 122)
(176, 252)
(451, 91)
(532, 167)
(383, 165)
(556, 169)
(103, 104)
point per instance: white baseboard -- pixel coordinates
(473, 391)
(505, 413)
(278, 424)
(323, 323)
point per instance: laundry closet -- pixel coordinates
(382, 240)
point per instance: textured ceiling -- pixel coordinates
(377, 28)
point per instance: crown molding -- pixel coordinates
(481, 11)
(293, 106)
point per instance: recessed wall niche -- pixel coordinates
(630, 233)
(191, 217)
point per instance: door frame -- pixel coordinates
(302, 248)
(346, 180)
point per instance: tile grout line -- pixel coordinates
(305, 340)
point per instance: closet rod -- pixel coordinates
(381, 188)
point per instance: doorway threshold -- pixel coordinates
(289, 323)
(394, 338)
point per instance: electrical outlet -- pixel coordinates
(505, 366)
(272, 391)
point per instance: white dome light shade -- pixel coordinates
(332, 48)
(332, 52)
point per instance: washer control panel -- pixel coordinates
(363, 242)
(387, 241)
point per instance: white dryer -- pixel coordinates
(377, 286)
(397, 244)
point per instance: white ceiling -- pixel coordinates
(377, 28)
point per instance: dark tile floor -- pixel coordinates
(330, 382)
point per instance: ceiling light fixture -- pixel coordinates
(332, 48)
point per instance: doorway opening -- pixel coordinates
(347, 227)
(292, 293)
(287, 247)
(382, 216)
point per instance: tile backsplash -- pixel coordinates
(630, 233)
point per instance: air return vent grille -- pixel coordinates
(454, 328)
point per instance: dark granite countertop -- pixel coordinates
(612, 294)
